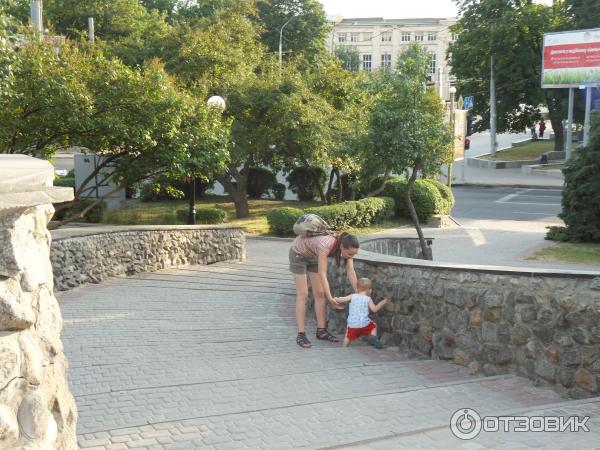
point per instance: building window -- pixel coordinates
(405, 36)
(454, 36)
(341, 37)
(419, 37)
(431, 36)
(353, 37)
(366, 63)
(366, 37)
(432, 62)
(386, 36)
(386, 62)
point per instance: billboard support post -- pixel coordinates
(569, 145)
(586, 123)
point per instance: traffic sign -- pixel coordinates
(469, 102)
(460, 102)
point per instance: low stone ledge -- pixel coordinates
(539, 323)
(92, 254)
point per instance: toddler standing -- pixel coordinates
(359, 323)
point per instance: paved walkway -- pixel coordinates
(203, 357)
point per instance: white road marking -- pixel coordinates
(508, 197)
(529, 204)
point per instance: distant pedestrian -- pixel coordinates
(534, 135)
(359, 323)
(309, 255)
(542, 128)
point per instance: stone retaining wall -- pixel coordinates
(92, 258)
(37, 411)
(541, 324)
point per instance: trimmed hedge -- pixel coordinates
(301, 182)
(425, 196)
(282, 220)
(260, 180)
(204, 216)
(64, 182)
(446, 194)
(278, 191)
(361, 213)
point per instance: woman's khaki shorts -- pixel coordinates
(300, 264)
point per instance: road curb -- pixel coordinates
(509, 185)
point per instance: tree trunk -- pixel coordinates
(413, 212)
(377, 191)
(330, 185)
(319, 186)
(340, 186)
(559, 136)
(238, 192)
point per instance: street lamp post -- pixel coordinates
(452, 91)
(281, 43)
(217, 103)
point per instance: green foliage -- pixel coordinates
(95, 215)
(305, 32)
(65, 182)
(349, 57)
(581, 196)
(301, 181)
(260, 180)
(205, 216)
(339, 216)
(278, 191)
(372, 210)
(426, 198)
(406, 124)
(446, 194)
(281, 220)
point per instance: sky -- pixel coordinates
(393, 9)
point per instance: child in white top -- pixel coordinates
(359, 323)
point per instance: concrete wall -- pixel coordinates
(541, 324)
(94, 257)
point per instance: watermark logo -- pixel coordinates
(466, 423)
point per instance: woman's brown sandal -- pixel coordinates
(303, 341)
(325, 335)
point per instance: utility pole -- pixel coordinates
(91, 35)
(493, 116)
(35, 7)
(569, 145)
(586, 123)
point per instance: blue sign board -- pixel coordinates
(468, 102)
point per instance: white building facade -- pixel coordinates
(379, 41)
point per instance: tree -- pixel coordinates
(583, 13)
(305, 32)
(581, 194)
(511, 30)
(349, 57)
(136, 120)
(406, 127)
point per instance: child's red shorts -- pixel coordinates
(355, 333)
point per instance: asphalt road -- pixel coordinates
(504, 203)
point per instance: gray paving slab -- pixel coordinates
(204, 357)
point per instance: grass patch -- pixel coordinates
(526, 152)
(552, 167)
(134, 212)
(569, 252)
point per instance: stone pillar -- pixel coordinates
(37, 411)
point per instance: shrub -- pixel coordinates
(301, 182)
(446, 193)
(373, 210)
(278, 191)
(95, 215)
(164, 188)
(65, 182)
(205, 216)
(581, 196)
(339, 216)
(425, 196)
(260, 180)
(281, 220)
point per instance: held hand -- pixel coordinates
(384, 302)
(336, 304)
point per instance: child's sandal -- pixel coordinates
(303, 341)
